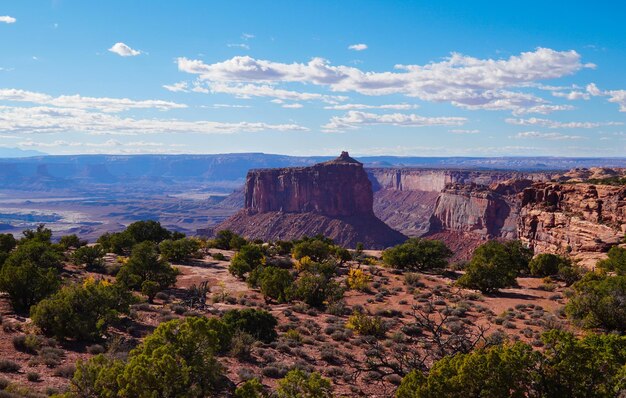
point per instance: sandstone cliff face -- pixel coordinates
(572, 218)
(332, 198)
(406, 199)
(480, 212)
(336, 189)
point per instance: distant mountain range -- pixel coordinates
(67, 171)
(19, 153)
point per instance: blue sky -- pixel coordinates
(313, 78)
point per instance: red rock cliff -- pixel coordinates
(337, 188)
(333, 198)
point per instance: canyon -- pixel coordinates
(332, 198)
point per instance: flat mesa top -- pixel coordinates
(344, 158)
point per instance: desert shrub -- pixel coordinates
(357, 279)
(9, 366)
(145, 264)
(33, 376)
(547, 264)
(494, 266)
(598, 301)
(27, 283)
(28, 343)
(71, 241)
(42, 254)
(366, 325)
(316, 290)
(616, 260)
(65, 371)
(150, 230)
(568, 367)
(274, 283)
(246, 260)
(418, 254)
(297, 384)
(258, 323)
(150, 289)
(91, 256)
(177, 360)
(117, 242)
(7, 243)
(179, 250)
(412, 279)
(218, 256)
(4, 383)
(250, 389)
(569, 273)
(95, 349)
(228, 240)
(81, 312)
(40, 234)
(241, 344)
(316, 249)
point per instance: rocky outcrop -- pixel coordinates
(572, 218)
(333, 198)
(406, 199)
(337, 188)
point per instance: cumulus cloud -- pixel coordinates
(358, 47)
(553, 124)
(547, 136)
(123, 50)
(462, 80)
(354, 119)
(79, 102)
(293, 106)
(177, 87)
(350, 107)
(7, 19)
(43, 119)
(462, 131)
(266, 90)
(572, 95)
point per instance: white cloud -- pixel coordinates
(355, 119)
(615, 96)
(177, 87)
(293, 106)
(464, 81)
(247, 36)
(221, 106)
(358, 47)
(239, 45)
(350, 107)
(553, 124)
(462, 131)
(266, 90)
(547, 136)
(7, 19)
(572, 95)
(57, 120)
(79, 102)
(123, 50)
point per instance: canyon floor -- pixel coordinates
(322, 342)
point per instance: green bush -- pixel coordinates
(147, 231)
(245, 260)
(228, 240)
(27, 284)
(274, 283)
(71, 241)
(366, 325)
(258, 323)
(179, 250)
(298, 384)
(598, 301)
(250, 389)
(616, 261)
(41, 235)
(7, 243)
(418, 255)
(315, 289)
(547, 264)
(569, 367)
(117, 242)
(39, 253)
(495, 266)
(145, 264)
(81, 312)
(316, 249)
(177, 360)
(91, 256)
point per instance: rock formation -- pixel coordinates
(333, 198)
(582, 219)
